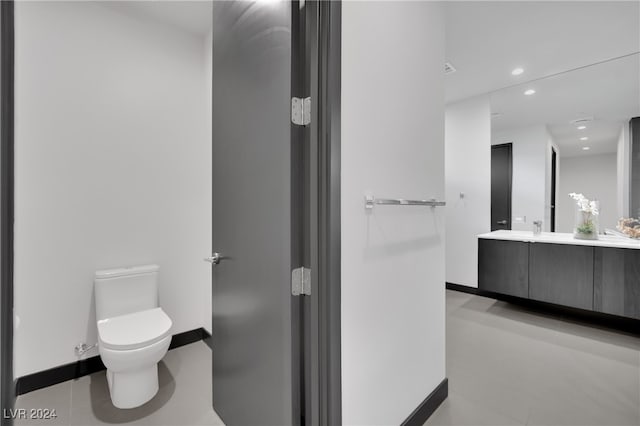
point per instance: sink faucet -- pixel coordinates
(537, 227)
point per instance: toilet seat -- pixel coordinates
(135, 330)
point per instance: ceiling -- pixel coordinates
(194, 17)
(486, 40)
(608, 92)
(568, 52)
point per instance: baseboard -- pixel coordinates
(53, 376)
(84, 367)
(207, 338)
(429, 405)
(463, 288)
(566, 313)
(187, 337)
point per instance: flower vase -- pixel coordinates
(586, 225)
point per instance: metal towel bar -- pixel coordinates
(370, 201)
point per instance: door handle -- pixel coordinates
(214, 259)
(502, 222)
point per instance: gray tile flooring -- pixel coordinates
(184, 397)
(508, 365)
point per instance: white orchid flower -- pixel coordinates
(584, 204)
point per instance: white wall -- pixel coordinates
(393, 353)
(596, 177)
(468, 172)
(623, 162)
(529, 182)
(113, 155)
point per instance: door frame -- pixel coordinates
(324, 39)
(7, 46)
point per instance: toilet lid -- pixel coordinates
(134, 330)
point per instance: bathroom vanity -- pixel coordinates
(598, 275)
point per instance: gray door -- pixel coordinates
(254, 351)
(501, 163)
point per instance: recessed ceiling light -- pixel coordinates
(517, 71)
(582, 127)
(584, 138)
(529, 92)
(585, 148)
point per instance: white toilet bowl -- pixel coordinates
(133, 332)
(131, 346)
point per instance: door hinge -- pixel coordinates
(301, 111)
(301, 281)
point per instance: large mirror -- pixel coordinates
(567, 133)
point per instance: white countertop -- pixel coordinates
(562, 238)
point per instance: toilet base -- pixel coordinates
(131, 389)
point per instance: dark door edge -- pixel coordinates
(325, 47)
(7, 46)
(634, 167)
(299, 211)
(553, 189)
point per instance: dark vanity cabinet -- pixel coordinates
(601, 279)
(504, 267)
(616, 284)
(561, 274)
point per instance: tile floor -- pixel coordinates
(184, 397)
(506, 365)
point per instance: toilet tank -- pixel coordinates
(125, 290)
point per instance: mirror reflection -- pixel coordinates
(568, 133)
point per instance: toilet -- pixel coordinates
(133, 332)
